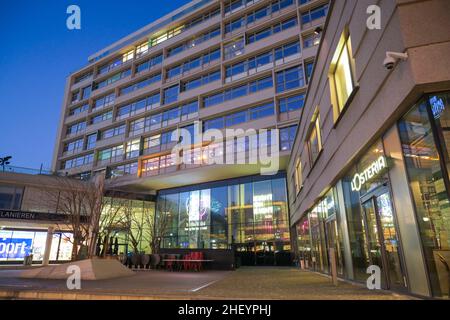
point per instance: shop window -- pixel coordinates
(16, 244)
(342, 82)
(425, 143)
(315, 140)
(304, 243)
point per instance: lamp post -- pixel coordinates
(5, 161)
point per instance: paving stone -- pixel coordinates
(275, 283)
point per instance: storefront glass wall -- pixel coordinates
(15, 245)
(319, 231)
(304, 242)
(128, 224)
(425, 138)
(373, 235)
(358, 235)
(249, 215)
(369, 214)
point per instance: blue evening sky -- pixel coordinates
(38, 52)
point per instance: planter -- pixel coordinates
(135, 260)
(155, 259)
(145, 260)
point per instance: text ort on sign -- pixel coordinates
(14, 248)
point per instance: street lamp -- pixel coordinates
(5, 161)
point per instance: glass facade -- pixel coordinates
(318, 232)
(424, 134)
(15, 245)
(372, 233)
(248, 215)
(364, 229)
(129, 222)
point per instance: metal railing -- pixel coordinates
(40, 171)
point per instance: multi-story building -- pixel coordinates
(368, 175)
(223, 65)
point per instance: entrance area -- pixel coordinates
(382, 243)
(262, 253)
(247, 215)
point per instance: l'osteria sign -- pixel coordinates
(375, 169)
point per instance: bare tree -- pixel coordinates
(95, 204)
(135, 227)
(78, 201)
(83, 204)
(112, 219)
(157, 225)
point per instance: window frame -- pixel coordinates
(315, 126)
(298, 175)
(339, 107)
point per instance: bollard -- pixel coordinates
(333, 266)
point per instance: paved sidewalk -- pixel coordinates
(293, 284)
(245, 283)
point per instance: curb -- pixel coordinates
(44, 295)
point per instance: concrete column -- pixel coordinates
(48, 246)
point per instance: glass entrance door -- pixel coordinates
(265, 255)
(373, 238)
(382, 240)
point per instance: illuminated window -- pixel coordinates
(151, 142)
(166, 36)
(141, 49)
(128, 56)
(341, 75)
(298, 175)
(315, 140)
(160, 39)
(133, 149)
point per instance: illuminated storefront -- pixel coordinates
(425, 137)
(371, 233)
(390, 208)
(16, 244)
(27, 215)
(248, 215)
